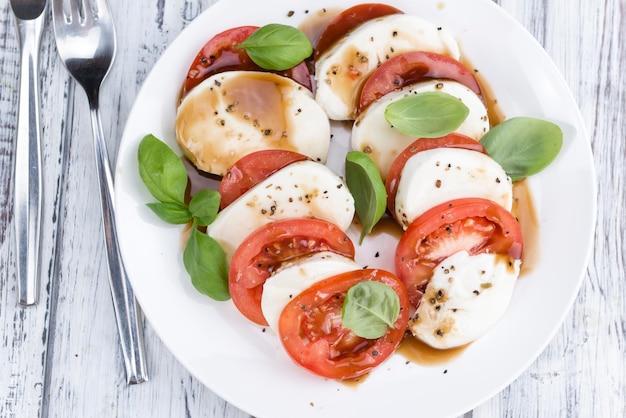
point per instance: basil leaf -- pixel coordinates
(426, 115)
(277, 47)
(205, 261)
(173, 213)
(523, 146)
(204, 206)
(367, 188)
(161, 170)
(370, 308)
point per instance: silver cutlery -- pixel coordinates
(85, 38)
(29, 19)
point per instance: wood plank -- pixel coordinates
(25, 331)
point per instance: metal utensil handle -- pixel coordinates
(127, 311)
(27, 169)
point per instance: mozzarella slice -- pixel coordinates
(342, 70)
(372, 134)
(234, 113)
(293, 278)
(302, 189)
(465, 298)
(438, 175)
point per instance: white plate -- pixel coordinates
(247, 366)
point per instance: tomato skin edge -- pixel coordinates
(219, 54)
(446, 213)
(246, 278)
(452, 140)
(415, 271)
(251, 169)
(349, 19)
(315, 356)
(411, 67)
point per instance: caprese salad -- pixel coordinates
(292, 268)
(251, 114)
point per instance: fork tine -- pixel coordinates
(58, 12)
(95, 9)
(89, 12)
(100, 7)
(67, 11)
(77, 13)
(74, 11)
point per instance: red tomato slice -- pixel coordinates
(411, 67)
(311, 331)
(251, 169)
(265, 249)
(472, 224)
(349, 19)
(219, 54)
(452, 140)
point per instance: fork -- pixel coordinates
(85, 38)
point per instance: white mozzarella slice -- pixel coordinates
(342, 70)
(438, 175)
(234, 113)
(465, 298)
(293, 278)
(302, 189)
(372, 134)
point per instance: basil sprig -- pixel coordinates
(426, 115)
(370, 308)
(277, 47)
(367, 188)
(523, 146)
(165, 176)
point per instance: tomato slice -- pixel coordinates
(452, 140)
(411, 67)
(311, 332)
(473, 224)
(220, 54)
(251, 169)
(271, 245)
(349, 19)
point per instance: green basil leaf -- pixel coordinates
(370, 308)
(277, 47)
(523, 146)
(367, 188)
(204, 206)
(205, 261)
(426, 115)
(173, 213)
(162, 171)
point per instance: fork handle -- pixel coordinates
(127, 312)
(27, 168)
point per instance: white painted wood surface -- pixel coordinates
(61, 358)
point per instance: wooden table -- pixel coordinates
(62, 359)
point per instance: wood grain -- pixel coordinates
(61, 359)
